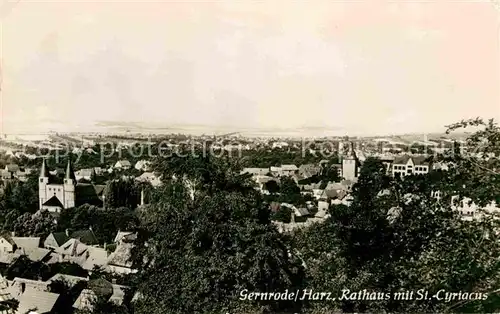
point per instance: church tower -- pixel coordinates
(43, 181)
(350, 164)
(69, 186)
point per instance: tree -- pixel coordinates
(407, 240)
(290, 192)
(202, 252)
(40, 224)
(104, 223)
(272, 186)
(121, 193)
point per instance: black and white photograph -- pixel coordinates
(249, 156)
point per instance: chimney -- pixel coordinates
(142, 197)
(67, 232)
(292, 219)
(105, 245)
(13, 234)
(113, 281)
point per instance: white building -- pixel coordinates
(409, 165)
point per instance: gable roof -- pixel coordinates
(85, 300)
(4, 290)
(417, 160)
(67, 278)
(7, 238)
(122, 234)
(95, 257)
(123, 163)
(60, 237)
(27, 243)
(53, 202)
(35, 300)
(38, 254)
(121, 256)
(12, 168)
(88, 194)
(85, 236)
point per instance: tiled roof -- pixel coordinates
(38, 254)
(60, 237)
(4, 290)
(122, 234)
(53, 202)
(96, 257)
(417, 160)
(12, 168)
(67, 278)
(121, 256)
(27, 243)
(88, 194)
(85, 300)
(85, 236)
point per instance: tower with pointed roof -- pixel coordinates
(350, 164)
(42, 183)
(69, 186)
(54, 196)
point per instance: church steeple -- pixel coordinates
(70, 174)
(351, 154)
(44, 172)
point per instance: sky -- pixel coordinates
(364, 67)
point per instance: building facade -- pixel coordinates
(407, 165)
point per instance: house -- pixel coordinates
(275, 171)
(123, 165)
(308, 170)
(99, 171)
(120, 260)
(94, 256)
(288, 170)
(408, 165)
(35, 301)
(85, 236)
(7, 245)
(55, 240)
(6, 175)
(22, 175)
(143, 165)
(125, 235)
(26, 244)
(118, 294)
(150, 177)
(69, 279)
(255, 171)
(85, 300)
(85, 174)
(6, 297)
(261, 182)
(12, 168)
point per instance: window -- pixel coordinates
(41, 180)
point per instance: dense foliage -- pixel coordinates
(206, 235)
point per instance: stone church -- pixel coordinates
(57, 193)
